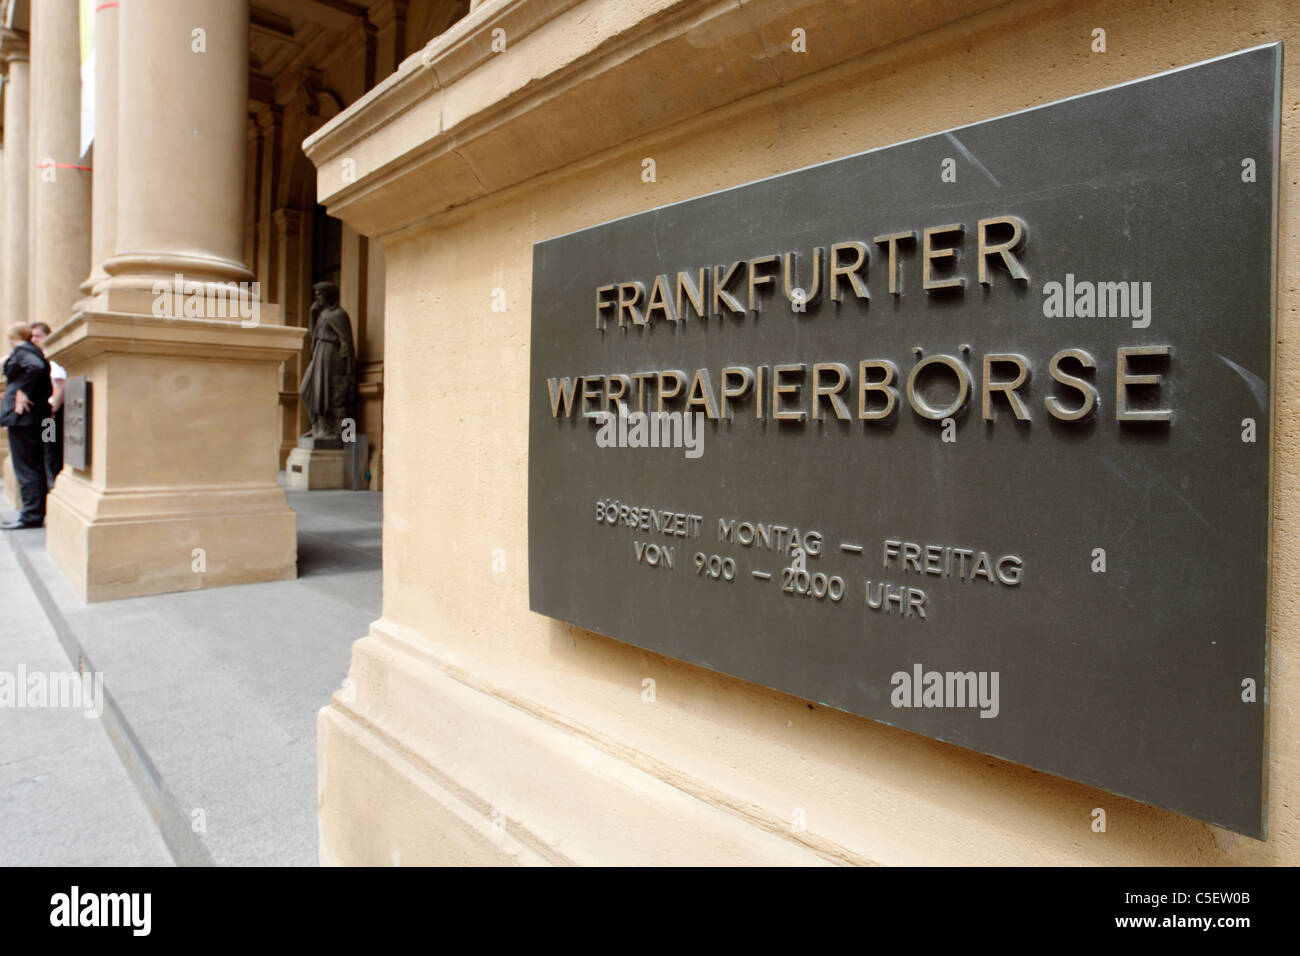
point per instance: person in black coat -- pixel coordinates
(24, 411)
(59, 380)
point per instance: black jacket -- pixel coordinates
(26, 368)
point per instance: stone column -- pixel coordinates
(252, 163)
(181, 353)
(4, 441)
(288, 246)
(389, 19)
(270, 121)
(2, 217)
(181, 149)
(6, 467)
(103, 217)
(60, 191)
(17, 170)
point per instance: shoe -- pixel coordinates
(18, 525)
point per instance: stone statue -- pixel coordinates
(331, 378)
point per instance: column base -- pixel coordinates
(178, 296)
(118, 545)
(312, 469)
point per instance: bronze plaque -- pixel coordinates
(970, 434)
(76, 423)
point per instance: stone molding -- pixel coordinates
(92, 333)
(414, 717)
(457, 121)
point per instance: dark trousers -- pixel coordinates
(54, 451)
(28, 453)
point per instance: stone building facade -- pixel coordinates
(414, 152)
(184, 453)
(474, 730)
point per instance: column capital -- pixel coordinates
(13, 47)
(260, 90)
(389, 18)
(361, 34)
(269, 117)
(287, 222)
(383, 13)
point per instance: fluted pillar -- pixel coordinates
(17, 172)
(60, 189)
(181, 147)
(103, 216)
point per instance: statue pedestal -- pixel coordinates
(317, 463)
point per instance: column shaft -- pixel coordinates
(17, 170)
(104, 201)
(182, 144)
(60, 189)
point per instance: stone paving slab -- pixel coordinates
(65, 798)
(220, 687)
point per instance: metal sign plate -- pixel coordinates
(973, 435)
(76, 423)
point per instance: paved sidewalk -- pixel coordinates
(65, 798)
(214, 693)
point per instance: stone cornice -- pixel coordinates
(89, 334)
(458, 121)
(467, 44)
